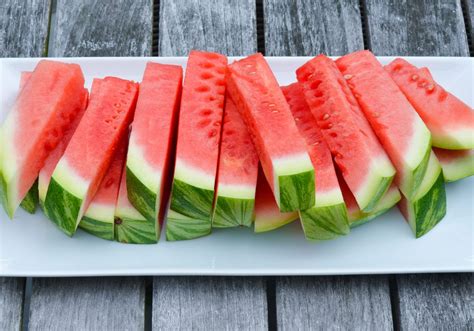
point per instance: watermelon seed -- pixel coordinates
(202, 88)
(315, 143)
(229, 132)
(333, 134)
(117, 221)
(217, 123)
(248, 65)
(376, 114)
(203, 123)
(206, 112)
(297, 119)
(430, 88)
(206, 65)
(271, 105)
(339, 156)
(347, 77)
(206, 75)
(314, 85)
(252, 72)
(116, 105)
(326, 116)
(318, 94)
(414, 78)
(275, 111)
(212, 133)
(220, 82)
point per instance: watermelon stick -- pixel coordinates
(131, 227)
(100, 215)
(327, 219)
(150, 154)
(456, 164)
(451, 121)
(197, 151)
(428, 205)
(404, 136)
(30, 201)
(237, 173)
(355, 148)
(81, 169)
(281, 149)
(268, 216)
(44, 108)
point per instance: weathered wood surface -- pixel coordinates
(212, 303)
(101, 28)
(333, 303)
(23, 27)
(309, 27)
(228, 27)
(87, 304)
(11, 303)
(428, 27)
(469, 14)
(436, 302)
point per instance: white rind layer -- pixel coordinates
(461, 138)
(193, 176)
(289, 165)
(431, 175)
(391, 197)
(459, 168)
(236, 191)
(329, 198)
(420, 143)
(43, 184)
(9, 165)
(67, 177)
(145, 173)
(380, 167)
(128, 212)
(101, 212)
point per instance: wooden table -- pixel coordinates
(31, 28)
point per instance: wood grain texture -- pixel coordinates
(227, 27)
(436, 302)
(23, 27)
(101, 28)
(11, 303)
(310, 27)
(333, 303)
(209, 303)
(469, 14)
(424, 27)
(87, 304)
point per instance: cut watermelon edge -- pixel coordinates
(131, 227)
(98, 228)
(325, 222)
(455, 139)
(30, 201)
(232, 212)
(269, 224)
(140, 196)
(182, 227)
(459, 169)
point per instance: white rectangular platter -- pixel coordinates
(31, 246)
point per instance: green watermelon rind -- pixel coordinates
(389, 200)
(30, 201)
(182, 227)
(325, 222)
(296, 191)
(192, 201)
(232, 212)
(97, 228)
(140, 196)
(378, 191)
(459, 169)
(428, 207)
(131, 227)
(61, 207)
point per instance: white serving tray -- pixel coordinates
(31, 246)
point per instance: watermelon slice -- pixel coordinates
(428, 206)
(451, 121)
(404, 136)
(285, 162)
(237, 173)
(100, 215)
(197, 150)
(456, 164)
(364, 165)
(152, 138)
(43, 110)
(356, 215)
(327, 219)
(131, 227)
(268, 216)
(81, 169)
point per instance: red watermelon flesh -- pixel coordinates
(237, 172)
(404, 136)
(267, 213)
(86, 159)
(354, 146)
(44, 109)
(450, 120)
(25, 75)
(281, 149)
(456, 165)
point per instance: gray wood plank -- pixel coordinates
(425, 27)
(469, 7)
(23, 27)
(87, 304)
(101, 28)
(212, 303)
(333, 303)
(310, 27)
(436, 302)
(227, 27)
(11, 303)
